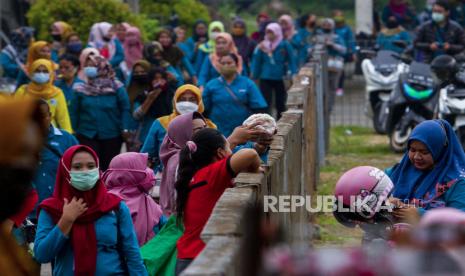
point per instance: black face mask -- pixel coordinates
(15, 185)
(326, 31)
(392, 24)
(56, 37)
(106, 39)
(142, 78)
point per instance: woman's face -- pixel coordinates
(198, 124)
(420, 156)
(221, 46)
(180, 34)
(67, 69)
(45, 52)
(54, 30)
(165, 40)
(90, 63)
(227, 61)
(41, 69)
(284, 24)
(270, 35)
(311, 21)
(74, 39)
(83, 161)
(138, 70)
(201, 29)
(188, 96)
(120, 31)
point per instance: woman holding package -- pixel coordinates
(100, 110)
(83, 229)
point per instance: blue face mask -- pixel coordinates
(91, 72)
(40, 78)
(84, 180)
(75, 47)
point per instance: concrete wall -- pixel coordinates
(292, 170)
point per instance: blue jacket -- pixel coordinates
(116, 241)
(67, 90)
(454, 197)
(301, 42)
(275, 67)
(9, 65)
(118, 57)
(224, 110)
(345, 32)
(385, 42)
(102, 116)
(153, 142)
(208, 72)
(44, 180)
(186, 49)
(199, 58)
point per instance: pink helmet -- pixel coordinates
(363, 189)
(449, 216)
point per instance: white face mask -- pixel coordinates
(214, 35)
(186, 107)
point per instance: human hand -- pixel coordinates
(434, 46)
(73, 209)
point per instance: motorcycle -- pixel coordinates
(451, 107)
(412, 101)
(381, 71)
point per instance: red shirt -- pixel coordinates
(207, 186)
(27, 207)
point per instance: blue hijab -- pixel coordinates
(449, 162)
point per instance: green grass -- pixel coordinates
(349, 147)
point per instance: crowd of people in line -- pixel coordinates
(176, 107)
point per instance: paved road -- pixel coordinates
(350, 108)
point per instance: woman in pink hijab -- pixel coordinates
(272, 60)
(287, 24)
(129, 177)
(133, 46)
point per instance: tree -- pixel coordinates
(82, 14)
(188, 11)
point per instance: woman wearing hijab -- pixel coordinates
(37, 50)
(100, 110)
(83, 229)
(231, 94)
(336, 50)
(13, 56)
(272, 59)
(431, 174)
(224, 45)
(199, 36)
(73, 44)
(129, 178)
(101, 38)
(154, 101)
(402, 11)
(287, 25)
(133, 46)
(86, 53)
(263, 20)
(302, 41)
(41, 87)
(174, 55)
(244, 44)
(188, 98)
(153, 53)
(60, 31)
(392, 32)
(205, 49)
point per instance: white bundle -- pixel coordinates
(263, 122)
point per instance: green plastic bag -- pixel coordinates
(159, 254)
